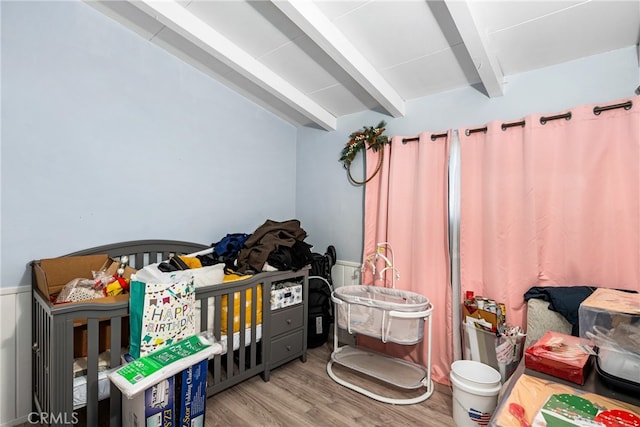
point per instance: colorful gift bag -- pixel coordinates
(161, 309)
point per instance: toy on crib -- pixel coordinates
(119, 284)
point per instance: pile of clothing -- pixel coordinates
(272, 246)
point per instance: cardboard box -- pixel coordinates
(191, 391)
(178, 400)
(560, 355)
(80, 340)
(155, 407)
(485, 315)
(52, 274)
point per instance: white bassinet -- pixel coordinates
(391, 315)
(384, 313)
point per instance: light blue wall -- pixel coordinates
(106, 137)
(331, 208)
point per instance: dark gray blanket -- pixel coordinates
(562, 299)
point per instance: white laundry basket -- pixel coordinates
(475, 392)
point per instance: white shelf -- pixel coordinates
(398, 372)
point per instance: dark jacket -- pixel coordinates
(264, 240)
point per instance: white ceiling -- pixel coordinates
(311, 62)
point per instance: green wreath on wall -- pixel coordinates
(368, 137)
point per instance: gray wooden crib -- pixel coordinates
(60, 398)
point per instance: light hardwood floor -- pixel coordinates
(303, 394)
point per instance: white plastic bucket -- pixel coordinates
(475, 392)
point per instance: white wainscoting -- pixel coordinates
(345, 273)
(15, 355)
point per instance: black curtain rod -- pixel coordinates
(405, 140)
(434, 136)
(543, 120)
(566, 116)
(626, 105)
(506, 126)
(470, 131)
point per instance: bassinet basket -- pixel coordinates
(392, 315)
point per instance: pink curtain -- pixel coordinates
(406, 206)
(554, 204)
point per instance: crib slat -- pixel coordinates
(231, 303)
(139, 260)
(46, 375)
(61, 399)
(115, 400)
(92, 371)
(241, 330)
(265, 343)
(217, 333)
(204, 314)
(254, 321)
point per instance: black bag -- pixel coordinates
(320, 317)
(321, 264)
(175, 263)
(291, 258)
(320, 288)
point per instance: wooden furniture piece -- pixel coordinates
(280, 337)
(289, 332)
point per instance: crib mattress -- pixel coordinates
(210, 309)
(80, 389)
(368, 310)
(236, 338)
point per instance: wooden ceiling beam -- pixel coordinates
(314, 23)
(183, 22)
(478, 47)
